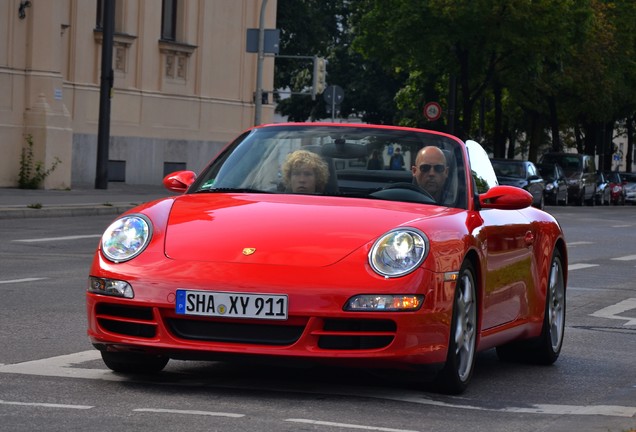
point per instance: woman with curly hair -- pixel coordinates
(305, 172)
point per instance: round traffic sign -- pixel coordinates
(333, 94)
(432, 111)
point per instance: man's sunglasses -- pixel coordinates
(439, 168)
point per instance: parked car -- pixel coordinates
(602, 189)
(616, 187)
(521, 174)
(629, 185)
(581, 172)
(362, 268)
(556, 185)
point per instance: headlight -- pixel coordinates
(616, 189)
(126, 238)
(549, 187)
(398, 252)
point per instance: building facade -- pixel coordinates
(183, 85)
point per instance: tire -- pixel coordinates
(460, 360)
(565, 200)
(134, 363)
(546, 348)
(541, 203)
(581, 198)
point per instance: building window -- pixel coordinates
(119, 19)
(169, 20)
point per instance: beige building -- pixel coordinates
(183, 85)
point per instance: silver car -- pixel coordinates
(629, 185)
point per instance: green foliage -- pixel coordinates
(32, 173)
(538, 67)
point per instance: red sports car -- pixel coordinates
(299, 242)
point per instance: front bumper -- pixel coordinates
(317, 328)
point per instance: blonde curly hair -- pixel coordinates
(300, 158)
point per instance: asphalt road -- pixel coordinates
(52, 380)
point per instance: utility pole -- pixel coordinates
(258, 103)
(106, 86)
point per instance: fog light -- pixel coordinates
(384, 303)
(110, 287)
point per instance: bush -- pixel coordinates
(32, 174)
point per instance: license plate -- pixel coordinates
(231, 305)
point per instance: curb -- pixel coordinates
(21, 212)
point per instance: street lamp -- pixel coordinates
(258, 103)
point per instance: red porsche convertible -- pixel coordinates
(298, 241)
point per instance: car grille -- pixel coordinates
(264, 334)
(126, 320)
(356, 334)
(334, 334)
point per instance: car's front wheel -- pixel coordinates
(126, 362)
(460, 360)
(546, 348)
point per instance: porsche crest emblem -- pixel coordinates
(248, 251)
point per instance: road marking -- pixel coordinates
(347, 425)
(21, 280)
(579, 243)
(45, 239)
(66, 366)
(46, 405)
(188, 412)
(625, 258)
(580, 266)
(613, 311)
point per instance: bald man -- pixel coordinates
(430, 171)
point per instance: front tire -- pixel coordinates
(134, 363)
(460, 360)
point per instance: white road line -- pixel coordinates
(21, 280)
(579, 243)
(64, 366)
(347, 425)
(613, 311)
(580, 266)
(45, 239)
(46, 405)
(625, 258)
(188, 412)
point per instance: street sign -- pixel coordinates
(432, 111)
(333, 94)
(271, 43)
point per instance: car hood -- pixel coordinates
(281, 229)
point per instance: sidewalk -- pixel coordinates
(80, 201)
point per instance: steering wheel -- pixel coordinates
(403, 191)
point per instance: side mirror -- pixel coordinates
(179, 181)
(505, 198)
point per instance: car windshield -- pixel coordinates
(629, 177)
(570, 163)
(351, 161)
(509, 169)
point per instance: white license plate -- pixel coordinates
(231, 305)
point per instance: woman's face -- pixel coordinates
(303, 179)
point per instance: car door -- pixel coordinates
(506, 240)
